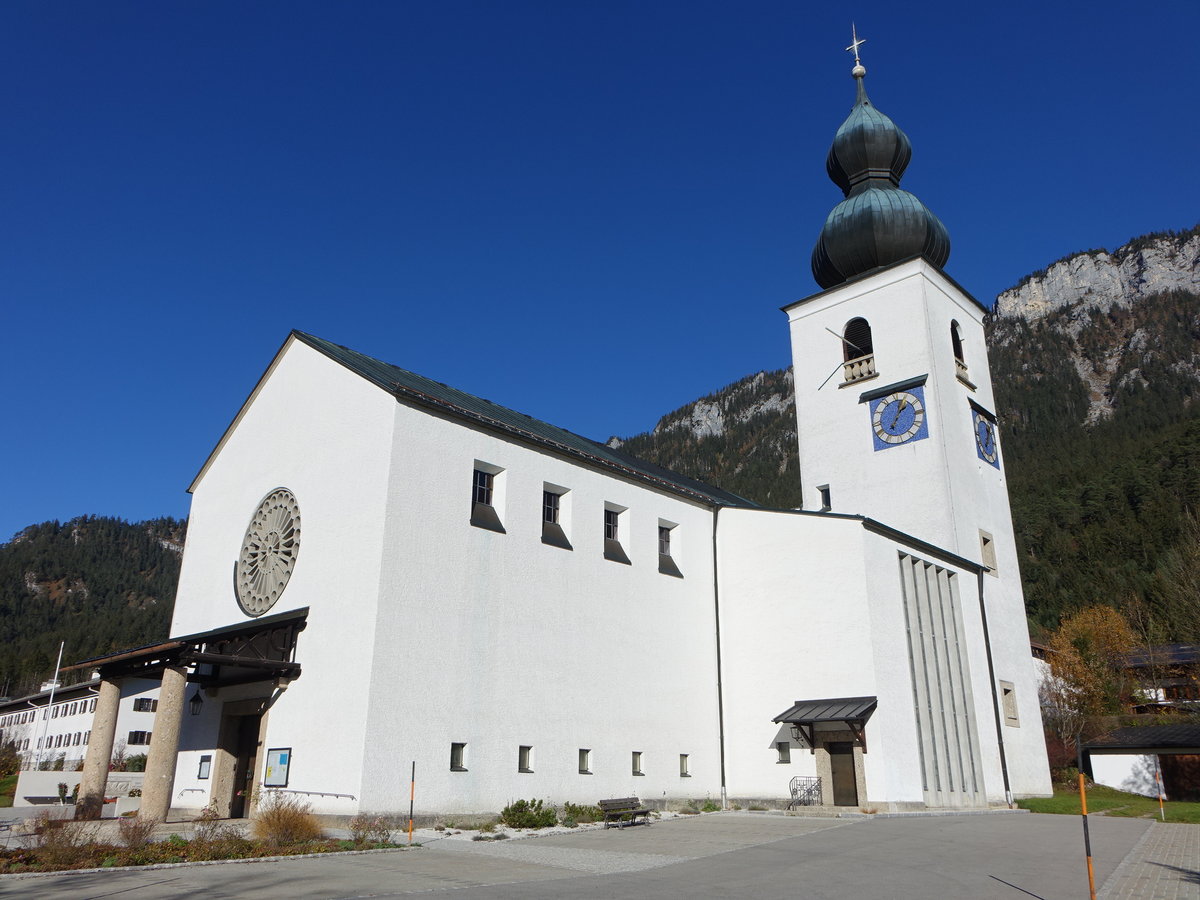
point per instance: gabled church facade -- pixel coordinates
(383, 573)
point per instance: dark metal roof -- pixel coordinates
(433, 394)
(1148, 739)
(840, 709)
(1164, 655)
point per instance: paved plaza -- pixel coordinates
(1012, 855)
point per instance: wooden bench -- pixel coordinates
(624, 811)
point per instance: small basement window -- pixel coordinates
(683, 766)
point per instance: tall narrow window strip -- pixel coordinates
(637, 762)
(585, 761)
(550, 507)
(664, 540)
(683, 766)
(458, 757)
(525, 758)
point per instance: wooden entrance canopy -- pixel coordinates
(260, 650)
(852, 712)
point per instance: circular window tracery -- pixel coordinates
(268, 552)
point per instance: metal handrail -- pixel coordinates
(311, 793)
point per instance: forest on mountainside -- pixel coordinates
(98, 583)
(1104, 512)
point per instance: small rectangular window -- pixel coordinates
(613, 549)
(1008, 702)
(637, 763)
(458, 757)
(54, 712)
(524, 759)
(205, 767)
(138, 738)
(987, 551)
(87, 736)
(683, 766)
(666, 557)
(556, 516)
(78, 738)
(92, 706)
(483, 486)
(585, 761)
(487, 496)
(784, 749)
(826, 497)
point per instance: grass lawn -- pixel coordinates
(8, 790)
(1111, 802)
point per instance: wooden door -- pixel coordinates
(841, 765)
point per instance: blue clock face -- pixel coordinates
(899, 418)
(985, 439)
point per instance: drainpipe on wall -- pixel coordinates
(720, 690)
(987, 646)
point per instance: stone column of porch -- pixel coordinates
(164, 746)
(94, 780)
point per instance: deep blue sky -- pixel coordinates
(589, 210)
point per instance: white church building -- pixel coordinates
(382, 571)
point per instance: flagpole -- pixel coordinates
(46, 709)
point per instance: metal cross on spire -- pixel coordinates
(855, 43)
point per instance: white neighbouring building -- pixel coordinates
(430, 578)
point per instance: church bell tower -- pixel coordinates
(894, 404)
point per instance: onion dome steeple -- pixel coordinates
(878, 223)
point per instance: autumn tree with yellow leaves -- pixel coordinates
(1088, 676)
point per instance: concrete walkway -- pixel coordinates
(723, 855)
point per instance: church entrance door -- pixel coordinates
(246, 755)
(841, 763)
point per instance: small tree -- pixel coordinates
(1087, 677)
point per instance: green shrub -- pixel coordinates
(528, 814)
(582, 813)
(568, 822)
(283, 819)
(135, 763)
(710, 806)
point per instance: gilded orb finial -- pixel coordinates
(859, 69)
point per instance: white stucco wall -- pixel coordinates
(796, 624)
(499, 640)
(323, 432)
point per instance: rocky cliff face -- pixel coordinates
(1154, 264)
(1126, 323)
